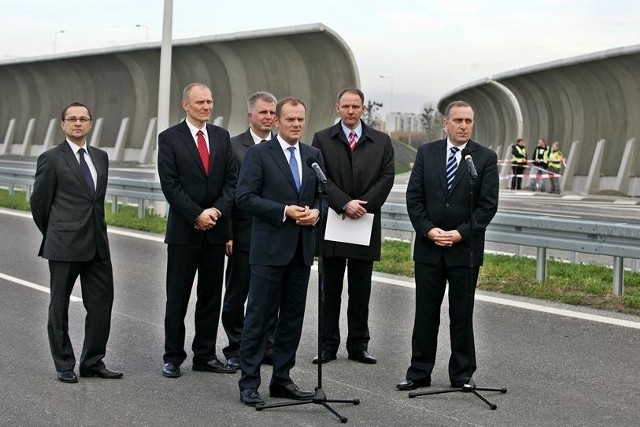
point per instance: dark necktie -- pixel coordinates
(293, 164)
(86, 171)
(452, 166)
(352, 140)
(202, 149)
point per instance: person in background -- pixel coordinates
(67, 204)
(555, 161)
(439, 205)
(261, 112)
(518, 163)
(539, 158)
(198, 175)
(360, 172)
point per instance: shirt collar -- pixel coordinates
(347, 131)
(256, 138)
(460, 147)
(284, 144)
(194, 129)
(75, 147)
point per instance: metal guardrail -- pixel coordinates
(618, 240)
(137, 192)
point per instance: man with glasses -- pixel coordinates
(67, 204)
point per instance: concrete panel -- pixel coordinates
(310, 61)
(588, 98)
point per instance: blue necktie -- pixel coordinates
(86, 172)
(293, 165)
(452, 166)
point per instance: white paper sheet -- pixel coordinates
(347, 230)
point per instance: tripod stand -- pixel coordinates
(469, 385)
(319, 398)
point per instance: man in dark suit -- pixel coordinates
(439, 205)
(277, 186)
(67, 204)
(360, 172)
(198, 174)
(261, 112)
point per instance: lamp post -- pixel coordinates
(55, 40)
(391, 92)
(146, 28)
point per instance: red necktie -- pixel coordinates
(202, 149)
(352, 140)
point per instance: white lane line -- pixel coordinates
(527, 306)
(31, 285)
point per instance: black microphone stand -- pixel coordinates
(319, 398)
(469, 385)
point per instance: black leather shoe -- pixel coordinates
(461, 383)
(171, 370)
(290, 391)
(214, 366)
(363, 357)
(67, 377)
(325, 357)
(102, 372)
(410, 384)
(233, 362)
(251, 397)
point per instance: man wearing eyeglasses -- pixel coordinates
(67, 204)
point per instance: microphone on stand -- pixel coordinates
(466, 155)
(313, 164)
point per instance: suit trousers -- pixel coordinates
(237, 278)
(183, 262)
(269, 284)
(359, 288)
(431, 282)
(96, 280)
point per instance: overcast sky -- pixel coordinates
(423, 48)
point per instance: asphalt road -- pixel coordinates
(562, 366)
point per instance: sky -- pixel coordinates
(409, 52)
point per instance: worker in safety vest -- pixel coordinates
(554, 166)
(540, 155)
(518, 163)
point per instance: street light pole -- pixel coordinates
(55, 40)
(146, 28)
(391, 93)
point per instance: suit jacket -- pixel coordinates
(265, 187)
(367, 174)
(189, 189)
(430, 204)
(69, 216)
(240, 224)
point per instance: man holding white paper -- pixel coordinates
(360, 170)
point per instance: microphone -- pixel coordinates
(466, 155)
(313, 164)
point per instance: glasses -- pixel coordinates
(82, 120)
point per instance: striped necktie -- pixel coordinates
(352, 140)
(452, 166)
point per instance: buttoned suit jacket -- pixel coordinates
(67, 213)
(430, 205)
(265, 187)
(367, 174)
(189, 189)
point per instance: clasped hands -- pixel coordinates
(207, 219)
(354, 209)
(444, 238)
(302, 215)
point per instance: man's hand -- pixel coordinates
(444, 238)
(355, 209)
(308, 217)
(294, 212)
(228, 248)
(206, 220)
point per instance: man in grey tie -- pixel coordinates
(67, 204)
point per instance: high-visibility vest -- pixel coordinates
(521, 157)
(555, 160)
